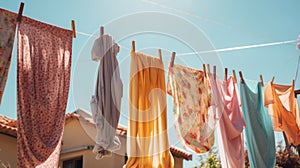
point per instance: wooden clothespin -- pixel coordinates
(234, 75)
(272, 79)
(208, 68)
(215, 72)
(172, 59)
(261, 80)
(241, 76)
(159, 54)
(204, 69)
(297, 92)
(226, 73)
(19, 18)
(73, 28)
(133, 46)
(101, 31)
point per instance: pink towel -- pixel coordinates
(43, 74)
(7, 35)
(230, 137)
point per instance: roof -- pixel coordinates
(9, 127)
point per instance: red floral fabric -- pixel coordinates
(195, 119)
(7, 35)
(43, 80)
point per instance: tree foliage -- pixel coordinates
(284, 158)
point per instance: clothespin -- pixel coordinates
(73, 28)
(19, 18)
(215, 72)
(208, 68)
(225, 75)
(241, 76)
(297, 92)
(272, 79)
(204, 69)
(133, 46)
(234, 75)
(159, 54)
(261, 80)
(172, 59)
(293, 83)
(101, 31)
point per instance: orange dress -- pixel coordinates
(283, 108)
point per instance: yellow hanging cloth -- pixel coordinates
(147, 139)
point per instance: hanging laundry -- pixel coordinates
(147, 139)
(106, 102)
(43, 80)
(195, 118)
(259, 130)
(8, 22)
(283, 108)
(226, 98)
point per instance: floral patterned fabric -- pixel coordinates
(195, 118)
(7, 34)
(43, 80)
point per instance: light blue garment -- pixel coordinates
(259, 130)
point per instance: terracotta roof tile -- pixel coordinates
(8, 126)
(180, 153)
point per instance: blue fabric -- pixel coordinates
(259, 130)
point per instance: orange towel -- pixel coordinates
(284, 110)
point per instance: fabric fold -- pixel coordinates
(195, 119)
(8, 22)
(284, 110)
(230, 129)
(108, 94)
(147, 139)
(259, 130)
(43, 80)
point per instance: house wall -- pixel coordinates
(74, 130)
(8, 149)
(178, 162)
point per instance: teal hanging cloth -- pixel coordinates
(259, 130)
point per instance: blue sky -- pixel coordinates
(225, 24)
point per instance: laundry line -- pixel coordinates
(216, 50)
(239, 48)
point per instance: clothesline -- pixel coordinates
(217, 50)
(239, 47)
